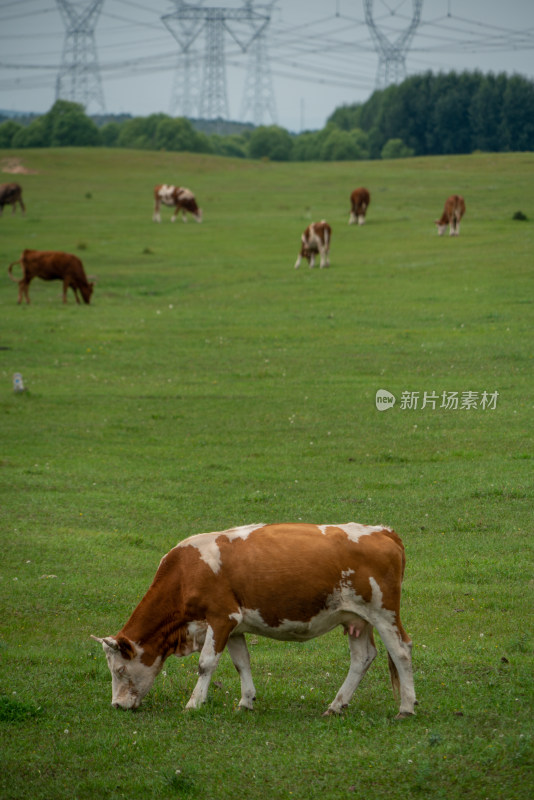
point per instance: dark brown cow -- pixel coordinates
(179, 198)
(453, 212)
(51, 265)
(11, 194)
(359, 203)
(291, 582)
(315, 239)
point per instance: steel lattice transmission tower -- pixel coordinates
(392, 53)
(185, 96)
(189, 21)
(79, 75)
(258, 96)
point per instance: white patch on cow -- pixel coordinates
(166, 194)
(353, 529)
(206, 543)
(185, 194)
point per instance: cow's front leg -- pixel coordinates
(312, 260)
(214, 644)
(237, 647)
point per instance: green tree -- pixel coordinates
(109, 134)
(517, 126)
(8, 130)
(395, 148)
(179, 134)
(139, 133)
(307, 146)
(342, 145)
(35, 134)
(271, 142)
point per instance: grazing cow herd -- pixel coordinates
(315, 240)
(291, 582)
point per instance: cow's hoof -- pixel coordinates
(405, 714)
(333, 712)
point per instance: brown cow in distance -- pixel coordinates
(291, 582)
(51, 265)
(315, 239)
(178, 197)
(11, 194)
(359, 203)
(453, 212)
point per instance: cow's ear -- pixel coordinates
(125, 646)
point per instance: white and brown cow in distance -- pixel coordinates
(51, 265)
(179, 198)
(359, 203)
(291, 582)
(315, 240)
(453, 212)
(11, 194)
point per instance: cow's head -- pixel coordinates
(198, 215)
(441, 228)
(87, 291)
(131, 679)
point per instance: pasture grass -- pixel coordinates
(210, 384)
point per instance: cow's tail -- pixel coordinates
(326, 236)
(394, 675)
(10, 270)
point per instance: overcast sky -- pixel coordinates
(321, 53)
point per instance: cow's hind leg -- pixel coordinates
(399, 648)
(237, 647)
(362, 654)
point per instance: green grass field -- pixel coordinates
(209, 384)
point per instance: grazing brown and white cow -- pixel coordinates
(179, 198)
(315, 239)
(11, 194)
(453, 212)
(359, 203)
(52, 265)
(290, 582)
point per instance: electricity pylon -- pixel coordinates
(189, 21)
(258, 96)
(185, 97)
(78, 78)
(391, 54)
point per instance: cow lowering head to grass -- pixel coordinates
(52, 265)
(315, 240)
(11, 194)
(453, 212)
(291, 582)
(179, 198)
(359, 203)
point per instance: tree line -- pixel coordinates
(453, 113)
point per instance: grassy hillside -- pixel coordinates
(210, 384)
